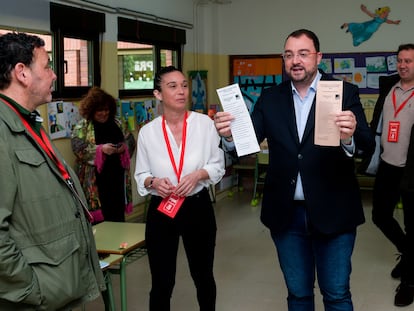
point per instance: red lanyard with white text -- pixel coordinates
(167, 142)
(400, 107)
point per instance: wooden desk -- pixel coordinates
(121, 238)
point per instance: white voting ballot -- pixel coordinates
(242, 129)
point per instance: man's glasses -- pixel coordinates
(303, 55)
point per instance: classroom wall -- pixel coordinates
(237, 28)
(261, 27)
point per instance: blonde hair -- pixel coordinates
(385, 9)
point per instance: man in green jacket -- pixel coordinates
(48, 258)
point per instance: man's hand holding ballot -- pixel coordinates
(240, 125)
(222, 120)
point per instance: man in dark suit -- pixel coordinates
(395, 111)
(311, 198)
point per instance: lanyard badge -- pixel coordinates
(394, 126)
(171, 204)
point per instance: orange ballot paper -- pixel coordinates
(329, 96)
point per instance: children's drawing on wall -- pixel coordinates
(62, 117)
(140, 114)
(361, 32)
(145, 111)
(254, 74)
(252, 86)
(198, 90)
(127, 114)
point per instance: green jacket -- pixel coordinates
(48, 258)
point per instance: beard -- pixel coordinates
(300, 74)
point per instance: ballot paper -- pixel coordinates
(328, 104)
(242, 129)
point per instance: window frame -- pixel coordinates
(157, 66)
(61, 90)
(89, 26)
(159, 36)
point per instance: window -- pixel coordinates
(78, 69)
(143, 48)
(169, 57)
(76, 48)
(136, 64)
(45, 37)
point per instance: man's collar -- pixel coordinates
(313, 84)
(33, 116)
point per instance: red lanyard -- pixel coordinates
(46, 145)
(167, 142)
(394, 102)
(43, 142)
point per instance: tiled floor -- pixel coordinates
(247, 273)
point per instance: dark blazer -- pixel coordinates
(329, 183)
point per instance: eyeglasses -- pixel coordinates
(303, 55)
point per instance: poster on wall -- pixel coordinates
(253, 73)
(145, 111)
(198, 90)
(127, 114)
(361, 69)
(62, 117)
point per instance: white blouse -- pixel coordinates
(202, 151)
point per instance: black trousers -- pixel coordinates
(387, 193)
(195, 223)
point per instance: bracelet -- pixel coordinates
(151, 183)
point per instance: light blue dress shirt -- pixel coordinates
(302, 108)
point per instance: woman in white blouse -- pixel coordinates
(178, 157)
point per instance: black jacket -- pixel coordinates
(328, 175)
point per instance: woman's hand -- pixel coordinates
(113, 148)
(120, 147)
(109, 148)
(163, 186)
(188, 182)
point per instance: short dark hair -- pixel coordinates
(310, 34)
(159, 75)
(96, 100)
(16, 48)
(407, 46)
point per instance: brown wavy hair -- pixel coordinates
(97, 100)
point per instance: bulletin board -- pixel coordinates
(254, 73)
(361, 69)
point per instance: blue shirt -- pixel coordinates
(302, 108)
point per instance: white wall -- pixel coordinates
(261, 26)
(246, 26)
(21, 13)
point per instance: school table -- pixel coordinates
(121, 238)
